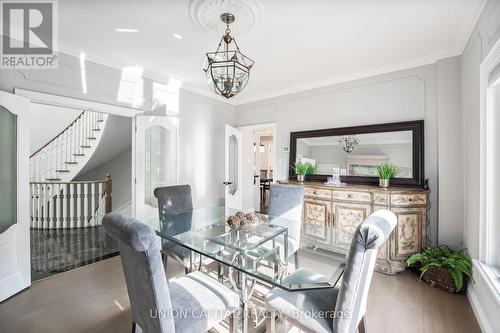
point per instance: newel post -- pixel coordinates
(108, 199)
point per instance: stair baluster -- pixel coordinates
(93, 203)
(65, 201)
(79, 205)
(85, 205)
(57, 204)
(71, 219)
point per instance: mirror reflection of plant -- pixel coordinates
(387, 170)
(457, 263)
(306, 168)
(311, 169)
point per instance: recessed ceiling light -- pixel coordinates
(126, 30)
(177, 36)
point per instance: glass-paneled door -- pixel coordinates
(15, 272)
(155, 161)
(233, 168)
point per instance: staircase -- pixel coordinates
(62, 157)
(56, 200)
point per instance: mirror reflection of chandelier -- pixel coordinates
(227, 70)
(348, 143)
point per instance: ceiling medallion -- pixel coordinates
(205, 14)
(227, 70)
(348, 143)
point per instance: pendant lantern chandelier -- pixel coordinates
(227, 70)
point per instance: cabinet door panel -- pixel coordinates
(406, 238)
(348, 216)
(316, 220)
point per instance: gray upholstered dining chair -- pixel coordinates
(190, 303)
(342, 309)
(173, 200)
(286, 202)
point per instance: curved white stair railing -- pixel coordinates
(57, 201)
(63, 157)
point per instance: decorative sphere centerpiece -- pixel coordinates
(243, 221)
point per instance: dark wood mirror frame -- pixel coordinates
(417, 128)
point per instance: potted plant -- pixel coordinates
(386, 171)
(301, 170)
(442, 267)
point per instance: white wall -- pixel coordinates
(41, 115)
(201, 146)
(450, 139)
(399, 96)
(120, 169)
(484, 36)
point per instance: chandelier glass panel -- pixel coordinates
(227, 70)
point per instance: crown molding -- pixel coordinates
(469, 27)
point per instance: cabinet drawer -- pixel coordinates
(318, 193)
(408, 199)
(380, 198)
(352, 196)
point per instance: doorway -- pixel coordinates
(259, 164)
(67, 206)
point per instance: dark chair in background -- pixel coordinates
(173, 200)
(287, 201)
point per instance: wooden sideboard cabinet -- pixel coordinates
(346, 206)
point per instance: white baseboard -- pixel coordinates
(478, 310)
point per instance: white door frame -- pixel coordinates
(82, 104)
(15, 241)
(273, 127)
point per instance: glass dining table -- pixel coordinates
(258, 254)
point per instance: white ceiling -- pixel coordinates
(298, 45)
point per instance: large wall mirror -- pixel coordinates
(358, 150)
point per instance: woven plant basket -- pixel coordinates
(442, 279)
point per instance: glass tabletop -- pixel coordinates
(260, 252)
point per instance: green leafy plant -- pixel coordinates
(457, 263)
(311, 169)
(387, 171)
(300, 168)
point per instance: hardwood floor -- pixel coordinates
(94, 299)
